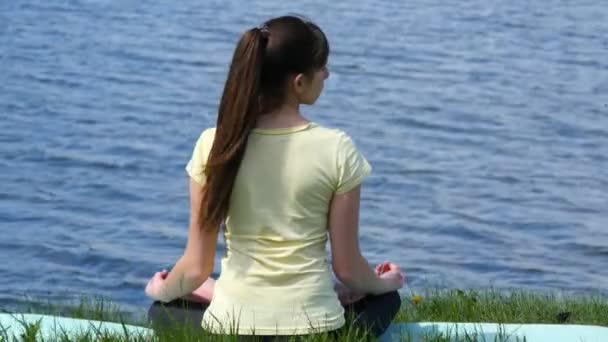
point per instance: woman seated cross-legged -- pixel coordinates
(281, 186)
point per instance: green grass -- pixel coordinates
(432, 305)
(504, 307)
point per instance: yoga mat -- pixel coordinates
(12, 324)
(52, 326)
(491, 332)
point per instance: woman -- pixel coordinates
(280, 184)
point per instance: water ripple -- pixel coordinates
(486, 125)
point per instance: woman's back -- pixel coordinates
(275, 276)
(279, 192)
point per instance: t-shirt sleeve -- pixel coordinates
(196, 166)
(352, 166)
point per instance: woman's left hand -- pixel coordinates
(155, 285)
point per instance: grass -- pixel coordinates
(504, 307)
(432, 305)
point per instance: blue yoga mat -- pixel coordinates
(52, 326)
(12, 324)
(491, 332)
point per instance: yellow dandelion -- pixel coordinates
(416, 299)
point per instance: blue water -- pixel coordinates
(486, 123)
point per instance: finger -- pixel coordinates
(378, 269)
(383, 268)
(394, 267)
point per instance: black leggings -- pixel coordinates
(372, 313)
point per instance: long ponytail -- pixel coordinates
(238, 112)
(263, 60)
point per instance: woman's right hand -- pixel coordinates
(391, 275)
(155, 285)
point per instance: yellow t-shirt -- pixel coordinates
(275, 278)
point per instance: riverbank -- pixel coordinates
(430, 306)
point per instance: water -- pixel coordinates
(485, 122)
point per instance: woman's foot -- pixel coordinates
(346, 295)
(204, 293)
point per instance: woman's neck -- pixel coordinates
(283, 117)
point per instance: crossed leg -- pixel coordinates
(204, 293)
(373, 312)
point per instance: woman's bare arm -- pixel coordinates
(348, 263)
(196, 264)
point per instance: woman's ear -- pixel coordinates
(299, 84)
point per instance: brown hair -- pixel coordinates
(263, 60)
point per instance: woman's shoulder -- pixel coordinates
(205, 138)
(208, 132)
(330, 133)
(321, 133)
(204, 141)
(336, 137)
